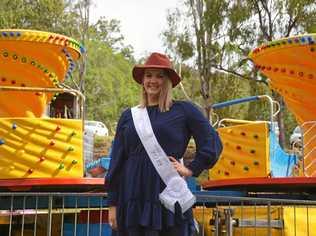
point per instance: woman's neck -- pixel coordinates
(152, 100)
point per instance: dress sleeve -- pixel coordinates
(207, 141)
(116, 163)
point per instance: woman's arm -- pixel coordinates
(207, 141)
(112, 178)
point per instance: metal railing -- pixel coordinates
(53, 214)
(76, 93)
(224, 215)
(308, 130)
(86, 214)
(274, 107)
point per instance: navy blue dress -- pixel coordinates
(132, 182)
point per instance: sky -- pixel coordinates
(142, 21)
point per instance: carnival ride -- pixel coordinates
(34, 147)
(252, 161)
(290, 65)
(39, 153)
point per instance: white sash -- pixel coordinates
(177, 189)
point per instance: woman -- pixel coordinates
(133, 183)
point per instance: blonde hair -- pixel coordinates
(165, 96)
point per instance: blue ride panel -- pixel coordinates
(81, 230)
(282, 163)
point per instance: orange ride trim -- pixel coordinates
(261, 181)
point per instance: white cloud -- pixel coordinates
(142, 21)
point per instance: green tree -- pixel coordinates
(109, 86)
(109, 32)
(47, 15)
(198, 33)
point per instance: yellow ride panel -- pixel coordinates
(290, 65)
(33, 59)
(205, 216)
(40, 148)
(300, 221)
(245, 153)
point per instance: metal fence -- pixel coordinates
(86, 214)
(53, 214)
(223, 215)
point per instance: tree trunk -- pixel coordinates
(280, 119)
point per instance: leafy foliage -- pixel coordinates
(109, 86)
(47, 15)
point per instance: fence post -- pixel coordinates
(269, 219)
(229, 221)
(217, 223)
(49, 216)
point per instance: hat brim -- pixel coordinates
(138, 73)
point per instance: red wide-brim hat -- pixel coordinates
(156, 61)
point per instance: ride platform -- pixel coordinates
(53, 184)
(264, 184)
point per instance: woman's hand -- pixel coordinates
(180, 168)
(112, 217)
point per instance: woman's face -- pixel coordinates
(153, 81)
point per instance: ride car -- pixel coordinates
(96, 127)
(296, 136)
